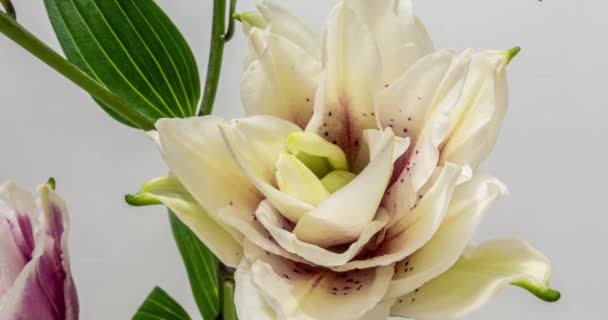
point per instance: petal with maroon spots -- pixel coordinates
(467, 208)
(275, 224)
(256, 144)
(477, 277)
(417, 106)
(478, 117)
(415, 229)
(298, 291)
(197, 155)
(344, 100)
(282, 80)
(342, 217)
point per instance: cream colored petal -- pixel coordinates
(283, 23)
(416, 31)
(477, 119)
(415, 229)
(256, 144)
(217, 237)
(197, 155)
(299, 291)
(280, 231)
(343, 216)
(477, 277)
(417, 106)
(466, 211)
(344, 100)
(381, 311)
(249, 303)
(282, 80)
(401, 39)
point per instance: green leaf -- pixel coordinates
(160, 306)
(202, 267)
(133, 49)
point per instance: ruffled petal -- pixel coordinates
(215, 236)
(256, 144)
(401, 38)
(466, 211)
(299, 291)
(343, 216)
(282, 80)
(477, 119)
(417, 106)
(344, 100)
(279, 229)
(414, 230)
(478, 276)
(198, 156)
(250, 304)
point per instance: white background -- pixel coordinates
(552, 152)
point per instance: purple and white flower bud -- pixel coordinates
(35, 277)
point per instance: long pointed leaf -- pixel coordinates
(133, 49)
(160, 306)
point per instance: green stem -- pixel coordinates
(9, 8)
(228, 308)
(216, 53)
(230, 32)
(29, 42)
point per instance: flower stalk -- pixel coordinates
(25, 39)
(219, 36)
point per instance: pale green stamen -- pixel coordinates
(336, 180)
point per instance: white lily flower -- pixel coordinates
(35, 277)
(351, 190)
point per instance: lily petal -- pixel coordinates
(274, 223)
(466, 211)
(417, 105)
(22, 219)
(256, 144)
(344, 101)
(478, 117)
(414, 230)
(198, 156)
(250, 304)
(343, 216)
(282, 80)
(12, 260)
(215, 236)
(479, 275)
(399, 35)
(283, 23)
(298, 291)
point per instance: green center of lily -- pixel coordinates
(312, 168)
